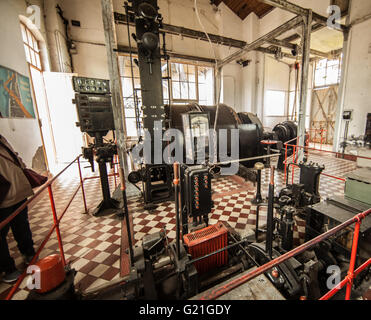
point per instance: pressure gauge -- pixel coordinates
(196, 133)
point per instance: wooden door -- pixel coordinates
(323, 113)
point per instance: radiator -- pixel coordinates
(205, 241)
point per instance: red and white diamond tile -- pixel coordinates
(93, 245)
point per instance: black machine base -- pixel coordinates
(107, 207)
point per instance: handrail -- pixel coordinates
(23, 206)
(296, 147)
(221, 290)
(325, 151)
(56, 219)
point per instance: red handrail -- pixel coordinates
(220, 291)
(56, 219)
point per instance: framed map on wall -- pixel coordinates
(15, 95)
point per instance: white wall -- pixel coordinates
(357, 81)
(23, 134)
(273, 75)
(276, 79)
(91, 59)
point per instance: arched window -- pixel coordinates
(31, 47)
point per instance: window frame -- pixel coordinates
(196, 65)
(31, 47)
(326, 69)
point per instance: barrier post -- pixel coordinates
(115, 160)
(293, 167)
(285, 160)
(353, 258)
(56, 224)
(82, 185)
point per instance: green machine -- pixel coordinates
(358, 185)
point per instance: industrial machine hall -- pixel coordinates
(188, 153)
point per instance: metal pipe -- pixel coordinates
(269, 240)
(82, 186)
(126, 214)
(216, 252)
(332, 292)
(176, 196)
(353, 258)
(56, 224)
(305, 62)
(247, 159)
(132, 74)
(243, 279)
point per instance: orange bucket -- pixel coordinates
(52, 273)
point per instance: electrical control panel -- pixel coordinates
(94, 112)
(197, 182)
(91, 85)
(94, 105)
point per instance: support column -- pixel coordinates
(343, 81)
(117, 100)
(307, 29)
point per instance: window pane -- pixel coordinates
(191, 73)
(206, 85)
(320, 77)
(184, 90)
(29, 38)
(192, 91)
(27, 50)
(174, 72)
(131, 128)
(332, 75)
(176, 90)
(33, 58)
(164, 69)
(165, 90)
(35, 45)
(182, 72)
(275, 103)
(127, 87)
(129, 109)
(321, 64)
(38, 62)
(24, 36)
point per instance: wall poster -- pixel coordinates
(15, 95)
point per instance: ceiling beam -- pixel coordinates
(291, 46)
(186, 32)
(293, 23)
(293, 8)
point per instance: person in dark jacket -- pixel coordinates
(16, 194)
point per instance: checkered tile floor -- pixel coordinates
(93, 244)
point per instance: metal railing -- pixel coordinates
(307, 149)
(348, 281)
(223, 289)
(56, 219)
